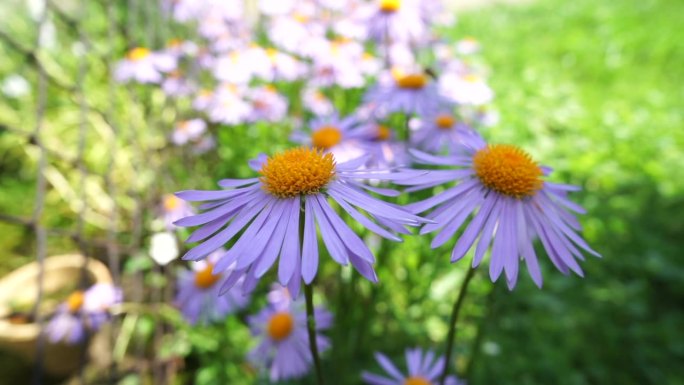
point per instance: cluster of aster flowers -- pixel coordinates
(249, 65)
(418, 108)
(82, 313)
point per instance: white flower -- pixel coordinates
(15, 86)
(163, 247)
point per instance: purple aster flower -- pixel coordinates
(410, 93)
(512, 206)
(144, 66)
(267, 104)
(336, 135)
(198, 293)
(397, 20)
(175, 84)
(423, 369)
(188, 130)
(316, 102)
(294, 184)
(465, 88)
(379, 144)
(81, 313)
(441, 130)
(284, 341)
(174, 209)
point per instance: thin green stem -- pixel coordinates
(311, 327)
(452, 327)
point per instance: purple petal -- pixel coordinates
(310, 247)
(291, 247)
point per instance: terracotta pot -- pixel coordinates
(21, 286)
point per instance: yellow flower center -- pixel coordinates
(272, 54)
(390, 6)
(412, 81)
(174, 43)
(508, 170)
(383, 133)
(416, 380)
(171, 202)
(138, 53)
(326, 137)
(300, 17)
(471, 78)
(445, 121)
(205, 278)
(280, 326)
(75, 301)
(297, 171)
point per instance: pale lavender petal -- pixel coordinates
(363, 267)
(375, 206)
(350, 239)
(389, 367)
(226, 183)
(290, 252)
(465, 242)
(263, 248)
(374, 379)
(487, 233)
(207, 195)
(310, 247)
(335, 245)
(236, 251)
(413, 361)
(442, 197)
(370, 225)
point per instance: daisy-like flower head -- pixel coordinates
(338, 62)
(316, 102)
(283, 346)
(227, 105)
(173, 209)
(441, 130)
(176, 84)
(423, 369)
(198, 293)
(407, 92)
(144, 66)
(267, 104)
(379, 143)
(333, 134)
(512, 206)
(81, 313)
(295, 188)
(397, 21)
(188, 130)
(465, 89)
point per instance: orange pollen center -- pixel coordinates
(205, 278)
(390, 6)
(412, 81)
(471, 78)
(174, 43)
(75, 301)
(416, 380)
(384, 133)
(138, 53)
(326, 137)
(272, 54)
(300, 17)
(445, 121)
(280, 326)
(171, 202)
(508, 170)
(297, 171)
